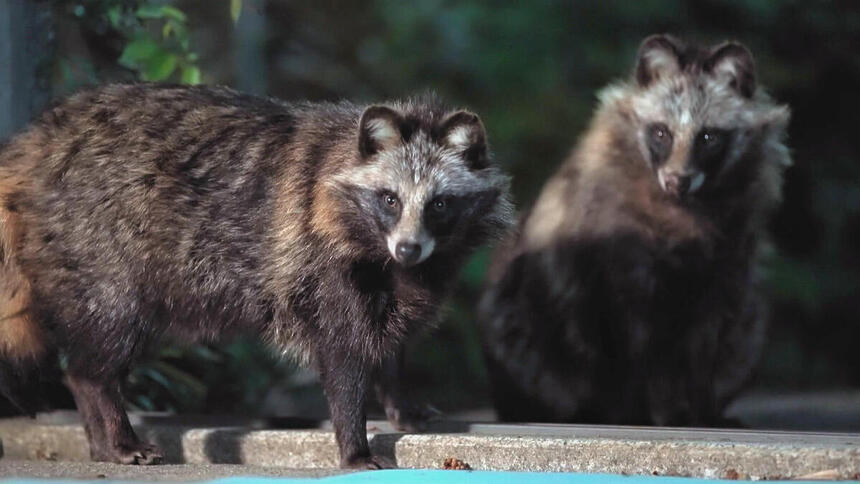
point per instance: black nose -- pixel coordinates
(676, 184)
(408, 253)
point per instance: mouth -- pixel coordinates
(680, 185)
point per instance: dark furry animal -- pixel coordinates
(135, 212)
(629, 294)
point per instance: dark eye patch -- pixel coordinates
(456, 209)
(372, 210)
(387, 208)
(710, 148)
(659, 141)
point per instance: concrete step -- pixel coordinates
(533, 447)
(90, 471)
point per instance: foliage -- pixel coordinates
(233, 377)
(156, 59)
(154, 37)
(235, 10)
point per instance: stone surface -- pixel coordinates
(172, 473)
(569, 448)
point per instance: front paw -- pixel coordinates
(140, 453)
(407, 417)
(368, 462)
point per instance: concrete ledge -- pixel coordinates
(566, 448)
(90, 471)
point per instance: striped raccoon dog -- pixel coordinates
(628, 295)
(133, 213)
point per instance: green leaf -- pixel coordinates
(152, 62)
(157, 376)
(176, 376)
(137, 51)
(114, 14)
(160, 66)
(179, 31)
(190, 75)
(206, 353)
(235, 10)
(171, 352)
(149, 11)
(144, 403)
(182, 35)
(173, 13)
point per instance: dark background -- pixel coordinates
(531, 70)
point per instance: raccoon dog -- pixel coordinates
(135, 212)
(628, 295)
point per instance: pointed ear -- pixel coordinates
(464, 132)
(380, 129)
(659, 56)
(733, 63)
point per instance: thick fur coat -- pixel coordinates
(629, 294)
(132, 213)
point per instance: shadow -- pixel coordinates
(448, 427)
(168, 439)
(223, 443)
(209, 421)
(385, 445)
(225, 446)
(291, 423)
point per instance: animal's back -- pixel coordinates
(149, 207)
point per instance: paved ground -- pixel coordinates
(172, 473)
(207, 447)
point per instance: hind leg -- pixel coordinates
(106, 423)
(94, 375)
(403, 413)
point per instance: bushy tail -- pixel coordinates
(23, 343)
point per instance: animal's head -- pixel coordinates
(699, 114)
(422, 182)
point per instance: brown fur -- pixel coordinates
(630, 294)
(20, 337)
(133, 213)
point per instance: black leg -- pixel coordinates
(110, 434)
(401, 411)
(345, 379)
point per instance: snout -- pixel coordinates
(680, 184)
(409, 252)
